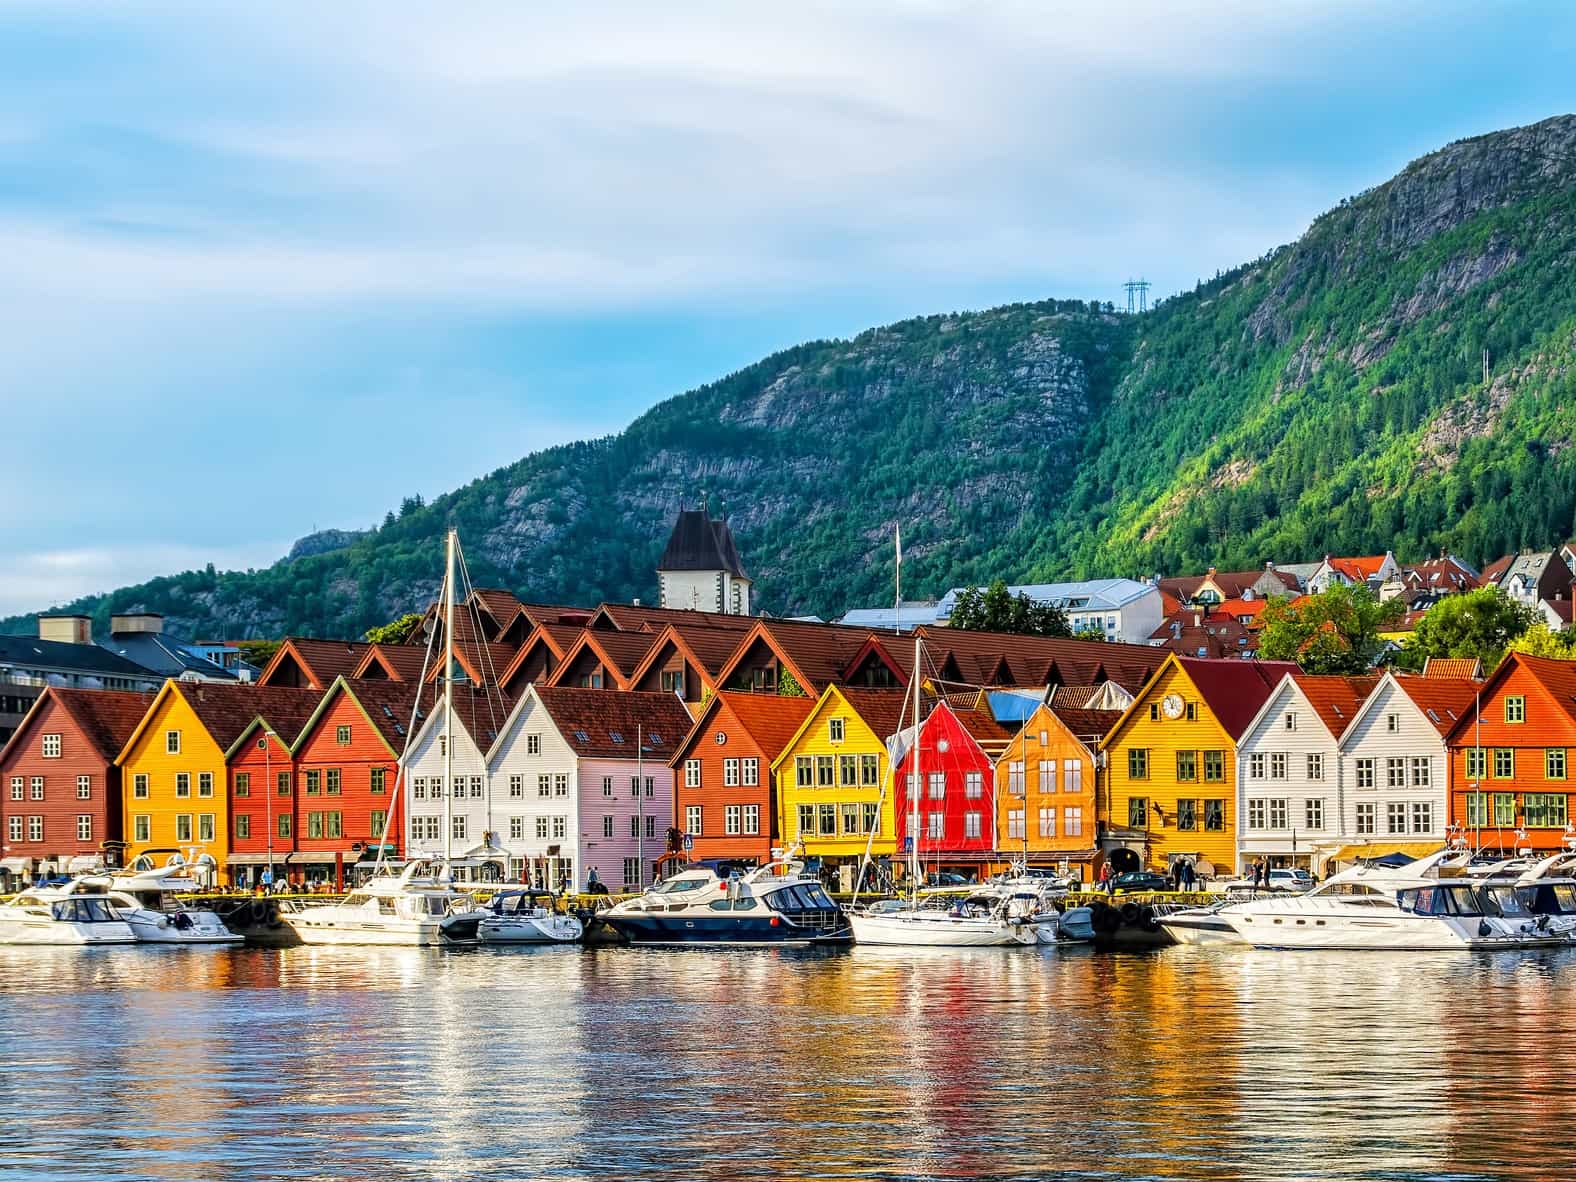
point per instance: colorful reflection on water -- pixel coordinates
(564, 1063)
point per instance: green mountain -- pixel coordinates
(1329, 396)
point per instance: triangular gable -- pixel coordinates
(588, 643)
(874, 652)
(760, 635)
(532, 705)
(1286, 690)
(669, 641)
(1371, 704)
(342, 685)
(1044, 719)
(1140, 699)
(702, 721)
(830, 694)
(159, 698)
(1511, 661)
(287, 657)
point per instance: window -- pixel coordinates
(379, 823)
(284, 824)
(851, 820)
(418, 788)
(631, 873)
(205, 784)
(1187, 814)
(51, 744)
(342, 735)
(1187, 765)
(672, 681)
(541, 828)
(1392, 723)
(1154, 712)
(692, 773)
(141, 828)
(691, 820)
(1477, 808)
(183, 784)
(1315, 766)
(1422, 816)
(651, 785)
(1256, 766)
(1256, 814)
(869, 770)
(1072, 775)
(828, 816)
(84, 827)
(561, 826)
(1553, 764)
(872, 817)
(533, 744)
(84, 787)
(1365, 816)
(1214, 767)
(314, 825)
(243, 784)
(1047, 775)
(19, 786)
(314, 783)
(1015, 778)
(1072, 821)
(331, 782)
(607, 825)
(478, 787)
(1545, 810)
(807, 820)
(1191, 712)
(1477, 763)
(1365, 773)
(973, 785)
(803, 771)
(1291, 720)
(607, 785)
(1516, 709)
(35, 828)
(1278, 765)
(823, 771)
(516, 828)
(730, 820)
(14, 828)
(938, 785)
(752, 818)
(912, 780)
(847, 770)
(1395, 773)
(1505, 808)
(1422, 771)
(284, 783)
(634, 826)
(1313, 813)
(183, 827)
(243, 826)
(835, 729)
(1015, 823)
(750, 772)
(459, 827)
(973, 822)
(36, 787)
(205, 828)
(1395, 817)
(172, 742)
(1504, 763)
(1138, 812)
(1047, 822)
(544, 786)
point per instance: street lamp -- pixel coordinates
(268, 796)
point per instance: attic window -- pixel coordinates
(1392, 723)
(582, 736)
(1291, 720)
(654, 738)
(616, 736)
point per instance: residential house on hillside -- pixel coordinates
(1393, 756)
(61, 807)
(1207, 634)
(1531, 579)
(700, 567)
(899, 617)
(1423, 584)
(1290, 778)
(724, 792)
(1215, 586)
(1371, 572)
(1118, 609)
(1048, 789)
(1510, 756)
(1172, 764)
(948, 777)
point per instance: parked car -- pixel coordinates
(1293, 878)
(945, 880)
(1140, 880)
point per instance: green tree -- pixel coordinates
(1333, 632)
(1480, 623)
(997, 610)
(1542, 641)
(258, 652)
(398, 631)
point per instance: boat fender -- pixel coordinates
(164, 921)
(259, 912)
(1131, 913)
(1484, 929)
(1103, 918)
(1147, 920)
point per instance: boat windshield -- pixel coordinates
(1441, 900)
(678, 886)
(1506, 901)
(1546, 898)
(1356, 894)
(805, 896)
(357, 900)
(92, 909)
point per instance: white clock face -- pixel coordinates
(1171, 704)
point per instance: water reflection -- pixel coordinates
(563, 1063)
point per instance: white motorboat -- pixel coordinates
(1198, 925)
(988, 918)
(526, 917)
(144, 895)
(56, 915)
(1412, 907)
(420, 906)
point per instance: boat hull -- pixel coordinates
(1199, 927)
(923, 930)
(148, 929)
(369, 931)
(719, 929)
(1378, 933)
(562, 929)
(65, 934)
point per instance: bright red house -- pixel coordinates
(955, 761)
(262, 785)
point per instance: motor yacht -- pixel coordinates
(990, 916)
(774, 904)
(419, 906)
(526, 917)
(145, 896)
(1412, 907)
(1198, 925)
(58, 915)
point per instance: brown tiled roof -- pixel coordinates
(388, 705)
(226, 710)
(483, 663)
(1444, 701)
(1336, 700)
(630, 617)
(619, 652)
(402, 662)
(1458, 667)
(1560, 607)
(107, 717)
(502, 605)
(1494, 571)
(589, 719)
(320, 660)
(987, 732)
(1038, 660)
(711, 646)
(1074, 697)
(883, 710)
(1443, 575)
(1089, 725)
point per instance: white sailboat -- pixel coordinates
(990, 916)
(420, 905)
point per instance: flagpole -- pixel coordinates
(897, 606)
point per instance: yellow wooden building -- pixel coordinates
(1048, 785)
(830, 777)
(1172, 765)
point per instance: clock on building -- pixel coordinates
(1171, 705)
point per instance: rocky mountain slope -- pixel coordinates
(1328, 396)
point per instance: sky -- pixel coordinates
(268, 269)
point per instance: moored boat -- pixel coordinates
(526, 917)
(420, 906)
(54, 915)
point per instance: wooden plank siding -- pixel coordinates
(1033, 787)
(342, 744)
(259, 768)
(154, 805)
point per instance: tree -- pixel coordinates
(1333, 632)
(258, 652)
(1479, 624)
(997, 610)
(398, 631)
(1542, 641)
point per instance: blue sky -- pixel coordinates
(272, 268)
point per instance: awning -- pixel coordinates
(16, 865)
(1378, 849)
(83, 862)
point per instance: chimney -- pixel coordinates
(1211, 571)
(66, 629)
(634, 603)
(1269, 566)
(136, 624)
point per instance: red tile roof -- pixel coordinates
(1336, 700)
(631, 617)
(107, 717)
(1358, 570)
(589, 720)
(883, 711)
(1234, 690)
(226, 709)
(816, 654)
(1032, 660)
(1469, 668)
(1445, 701)
(769, 719)
(320, 660)
(400, 662)
(387, 704)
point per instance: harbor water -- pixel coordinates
(629, 1063)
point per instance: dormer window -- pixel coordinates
(1516, 709)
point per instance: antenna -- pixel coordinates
(1137, 295)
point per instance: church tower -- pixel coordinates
(700, 569)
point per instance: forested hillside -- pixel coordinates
(1329, 396)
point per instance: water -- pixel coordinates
(627, 1063)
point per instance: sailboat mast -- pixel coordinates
(916, 786)
(448, 698)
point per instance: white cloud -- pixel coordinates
(30, 581)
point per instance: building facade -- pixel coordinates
(949, 780)
(1049, 782)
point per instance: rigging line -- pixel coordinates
(490, 673)
(410, 735)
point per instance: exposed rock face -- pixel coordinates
(325, 541)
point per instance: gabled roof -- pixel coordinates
(638, 617)
(107, 717)
(1087, 726)
(1444, 701)
(816, 654)
(884, 711)
(484, 664)
(1469, 668)
(481, 713)
(558, 639)
(1443, 575)
(619, 652)
(397, 662)
(1494, 572)
(980, 658)
(1358, 570)
(163, 656)
(227, 710)
(701, 543)
(386, 705)
(601, 725)
(320, 661)
(1234, 690)
(1555, 678)
(770, 720)
(708, 649)
(1559, 608)
(1336, 700)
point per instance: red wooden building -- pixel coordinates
(60, 802)
(723, 768)
(260, 778)
(956, 785)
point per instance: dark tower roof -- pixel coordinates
(701, 543)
